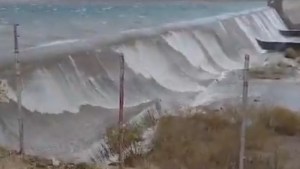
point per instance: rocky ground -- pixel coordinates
(12, 160)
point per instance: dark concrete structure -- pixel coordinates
(277, 46)
(291, 33)
(278, 6)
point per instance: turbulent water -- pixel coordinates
(70, 59)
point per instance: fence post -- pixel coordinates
(244, 111)
(121, 116)
(19, 90)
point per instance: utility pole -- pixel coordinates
(19, 90)
(244, 116)
(121, 116)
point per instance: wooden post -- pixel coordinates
(244, 119)
(19, 90)
(121, 116)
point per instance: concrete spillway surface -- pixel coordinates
(70, 87)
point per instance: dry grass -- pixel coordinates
(195, 142)
(280, 120)
(277, 70)
(202, 141)
(132, 136)
(273, 71)
(292, 53)
(132, 133)
(10, 160)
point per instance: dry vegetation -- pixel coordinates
(279, 70)
(292, 53)
(132, 136)
(273, 71)
(11, 160)
(211, 140)
(198, 141)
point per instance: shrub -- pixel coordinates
(195, 142)
(281, 120)
(269, 72)
(291, 53)
(211, 140)
(84, 166)
(132, 136)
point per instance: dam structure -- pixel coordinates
(71, 86)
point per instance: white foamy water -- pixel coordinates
(71, 86)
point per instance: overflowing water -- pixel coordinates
(70, 57)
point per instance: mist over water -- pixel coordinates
(70, 57)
